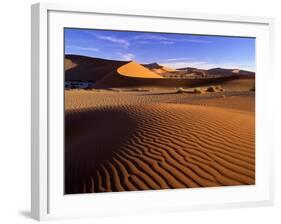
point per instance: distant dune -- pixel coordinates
(153, 65)
(156, 145)
(111, 73)
(159, 69)
(229, 72)
(163, 70)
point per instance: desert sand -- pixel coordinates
(123, 141)
(137, 130)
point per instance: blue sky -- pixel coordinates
(174, 50)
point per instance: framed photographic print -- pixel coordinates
(138, 111)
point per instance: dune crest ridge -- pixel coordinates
(135, 70)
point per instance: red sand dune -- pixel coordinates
(244, 84)
(117, 146)
(125, 141)
(135, 70)
(82, 68)
(159, 69)
(109, 73)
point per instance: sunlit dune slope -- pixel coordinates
(69, 64)
(135, 70)
(158, 146)
(128, 75)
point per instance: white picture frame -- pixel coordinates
(47, 201)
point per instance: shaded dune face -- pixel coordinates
(158, 146)
(92, 137)
(82, 68)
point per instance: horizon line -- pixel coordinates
(163, 64)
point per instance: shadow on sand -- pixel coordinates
(91, 138)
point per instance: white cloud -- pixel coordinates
(168, 40)
(144, 42)
(112, 39)
(178, 59)
(150, 37)
(122, 42)
(194, 40)
(126, 56)
(85, 48)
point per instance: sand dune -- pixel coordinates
(69, 64)
(236, 71)
(159, 69)
(241, 103)
(115, 80)
(94, 69)
(163, 70)
(135, 70)
(239, 84)
(82, 68)
(168, 69)
(155, 144)
(112, 73)
(87, 100)
(125, 139)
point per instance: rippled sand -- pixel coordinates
(125, 141)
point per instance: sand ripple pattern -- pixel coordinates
(157, 146)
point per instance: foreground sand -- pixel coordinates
(158, 140)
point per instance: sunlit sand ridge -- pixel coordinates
(157, 141)
(135, 70)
